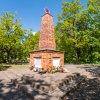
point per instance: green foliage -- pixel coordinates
(78, 31)
(11, 34)
(15, 42)
(31, 42)
(4, 67)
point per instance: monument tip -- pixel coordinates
(47, 10)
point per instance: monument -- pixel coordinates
(47, 56)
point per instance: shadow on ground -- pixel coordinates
(9, 92)
(91, 89)
(94, 70)
(4, 67)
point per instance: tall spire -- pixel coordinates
(47, 39)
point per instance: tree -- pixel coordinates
(11, 35)
(67, 26)
(30, 42)
(78, 32)
(15, 42)
(90, 28)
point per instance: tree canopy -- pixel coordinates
(15, 42)
(78, 31)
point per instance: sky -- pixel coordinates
(30, 11)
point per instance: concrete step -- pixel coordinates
(16, 74)
(8, 91)
(10, 75)
(37, 84)
(4, 77)
(39, 89)
(68, 79)
(66, 89)
(44, 86)
(32, 93)
(23, 71)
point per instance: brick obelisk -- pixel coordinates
(46, 56)
(47, 39)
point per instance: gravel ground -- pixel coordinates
(88, 91)
(91, 89)
(9, 92)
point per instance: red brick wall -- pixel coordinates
(47, 42)
(47, 39)
(47, 57)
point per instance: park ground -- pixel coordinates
(90, 90)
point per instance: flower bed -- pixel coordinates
(50, 69)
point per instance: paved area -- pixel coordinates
(10, 92)
(91, 89)
(88, 91)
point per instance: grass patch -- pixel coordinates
(92, 65)
(13, 66)
(4, 67)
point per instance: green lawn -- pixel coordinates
(12, 66)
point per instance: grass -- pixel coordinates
(4, 67)
(92, 65)
(13, 66)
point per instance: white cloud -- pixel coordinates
(34, 33)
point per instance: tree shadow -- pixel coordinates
(89, 90)
(4, 67)
(9, 92)
(94, 70)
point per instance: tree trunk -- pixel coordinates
(77, 58)
(8, 56)
(77, 51)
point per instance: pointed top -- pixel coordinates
(47, 10)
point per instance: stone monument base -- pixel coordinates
(46, 58)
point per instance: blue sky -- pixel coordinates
(30, 11)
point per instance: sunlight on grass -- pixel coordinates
(13, 66)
